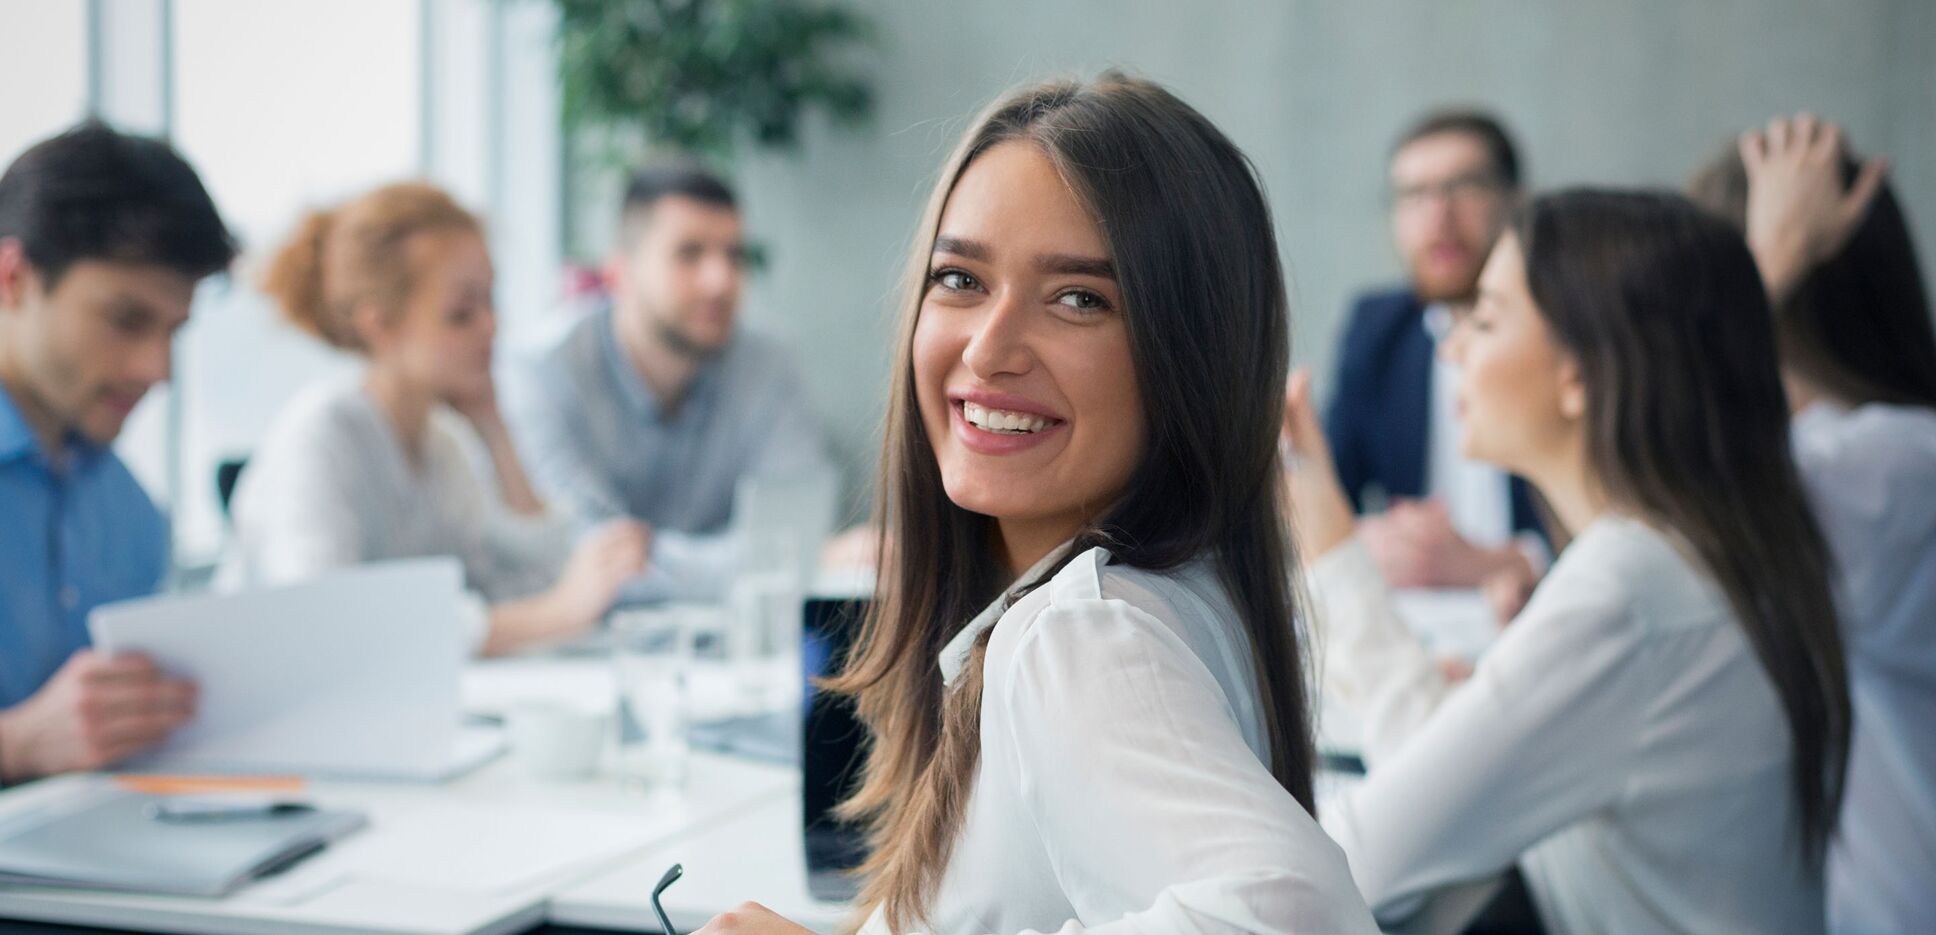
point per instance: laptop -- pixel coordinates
(831, 751)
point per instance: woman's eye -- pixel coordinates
(955, 280)
(1083, 300)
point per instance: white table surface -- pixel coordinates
(480, 855)
(494, 852)
(755, 856)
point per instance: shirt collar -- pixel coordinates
(16, 436)
(1437, 320)
(955, 655)
(637, 394)
(18, 440)
(631, 386)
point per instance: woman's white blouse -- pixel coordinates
(1123, 785)
(1620, 743)
(331, 486)
(1871, 473)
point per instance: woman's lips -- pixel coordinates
(982, 441)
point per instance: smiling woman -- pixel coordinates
(1080, 671)
(1021, 355)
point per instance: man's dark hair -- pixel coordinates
(650, 186)
(92, 193)
(1479, 125)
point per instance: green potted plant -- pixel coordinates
(661, 80)
(699, 77)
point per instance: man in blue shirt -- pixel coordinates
(102, 240)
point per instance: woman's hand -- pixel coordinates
(1320, 514)
(479, 406)
(751, 919)
(1799, 213)
(1507, 590)
(603, 561)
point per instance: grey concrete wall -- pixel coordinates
(1627, 93)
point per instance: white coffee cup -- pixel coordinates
(554, 740)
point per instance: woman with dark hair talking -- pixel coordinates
(1658, 739)
(1859, 360)
(1081, 673)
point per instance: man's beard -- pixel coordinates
(1450, 293)
(679, 343)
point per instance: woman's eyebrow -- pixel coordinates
(1072, 265)
(1058, 263)
(969, 249)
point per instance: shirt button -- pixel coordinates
(70, 597)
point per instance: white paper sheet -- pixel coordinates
(1451, 622)
(352, 674)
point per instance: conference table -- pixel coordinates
(502, 851)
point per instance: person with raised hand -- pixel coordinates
(1858, 354)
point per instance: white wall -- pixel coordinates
(299, 102)
(43, 46)
(1611, 92)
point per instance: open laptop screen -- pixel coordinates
(831, 749)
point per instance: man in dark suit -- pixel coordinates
(1445, 521)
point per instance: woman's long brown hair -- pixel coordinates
(1857, 325)
(1187, 226)
(1687, 424)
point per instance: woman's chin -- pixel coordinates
(986, 496)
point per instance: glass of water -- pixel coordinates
(763, 612)
(765, 596)
(652, 656)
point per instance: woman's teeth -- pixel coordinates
(1002, 421)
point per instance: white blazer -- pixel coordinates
(1123, 785)
(1620, 743)
(1871, 472)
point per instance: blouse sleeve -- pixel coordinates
(1155, 814)
(1369, 659)
(299, 514)
(1468, 778)
(506, 555)
(522, 554)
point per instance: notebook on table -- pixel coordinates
(102, 837)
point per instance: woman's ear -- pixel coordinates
(372, 327)
(1572, 394)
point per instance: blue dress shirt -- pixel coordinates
(76, 531)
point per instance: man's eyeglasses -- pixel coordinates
(1458, 190)
(671, 876)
